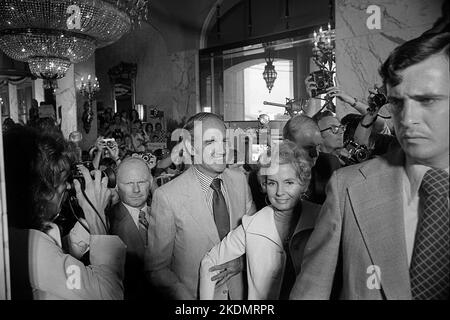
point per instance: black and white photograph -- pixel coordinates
(194, 156)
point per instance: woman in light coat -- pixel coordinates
(274, 238)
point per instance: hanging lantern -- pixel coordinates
(269, 74)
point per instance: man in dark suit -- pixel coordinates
(193, 212)
(129, 220)
(386, 221)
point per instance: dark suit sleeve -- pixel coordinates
(158, 256)
(250, 207)
(322, 249)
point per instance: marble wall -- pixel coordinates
(165, 79)
(183, 87)
(71, 102)
(360, 50)
(65, 96)
(13, 102)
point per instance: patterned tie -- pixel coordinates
(430, 264)
(220, 211)
(143, 226)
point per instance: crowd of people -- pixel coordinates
(130, 133)
(341, 208)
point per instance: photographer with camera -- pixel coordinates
(370, 115)
(370, 145)
(314, 104)
(366, 134)
(44, 266)
(105, 148)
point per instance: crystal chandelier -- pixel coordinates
(269, 74)
(52, 34)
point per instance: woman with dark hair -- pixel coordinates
(134, 117)
(148, 131)
(44, 266)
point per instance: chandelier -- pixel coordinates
(89, 89)
(324, 55)
(52, 34)
(269, 74)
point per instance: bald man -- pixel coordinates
(129, 220)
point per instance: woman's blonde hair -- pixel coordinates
(287, 152)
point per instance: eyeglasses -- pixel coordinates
(335, 129)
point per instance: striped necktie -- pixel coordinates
(143, 226)
(430, 264)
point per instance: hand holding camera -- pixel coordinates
(91, 193)
(376, 100)
(99, 144)
(323, 79)
(310, 85)
(93, 199)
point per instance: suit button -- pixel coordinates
(225, 291)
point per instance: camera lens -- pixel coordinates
(76, 174)
(320, 84)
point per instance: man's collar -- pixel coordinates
(132, 209)
(204, 179)
(415, 173)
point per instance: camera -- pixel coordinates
(358, 152)
(110, 142)
(377, 100)
(76, 174)
(148, 157)
(323, 80)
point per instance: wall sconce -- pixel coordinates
(88, 89)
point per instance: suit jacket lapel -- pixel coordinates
(378, 208)
(197, 207)
(127, 228)
(263, 224)
(308, 215)
(234, 199)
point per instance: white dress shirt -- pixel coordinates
(134, 212)
(412, 179)
(205, 182)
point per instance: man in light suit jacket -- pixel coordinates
(386, 221)
(188, 216)
(128, 219)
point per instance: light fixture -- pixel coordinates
(269, 74)
(324, 54)
(51, 35)
(88, 89)
(263, 119)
